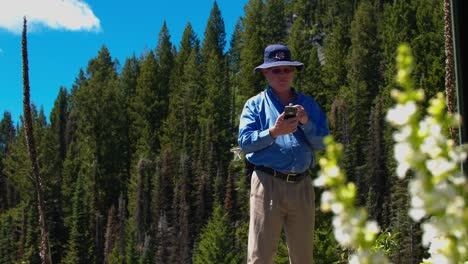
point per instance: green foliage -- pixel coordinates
(251, 53)
(282, 251)
(215, 36)
(275, 22)
(79, 243)
(11, 221)
(387, 242)
(215, 245)
(147, 106)
(326, 249)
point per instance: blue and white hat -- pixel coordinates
(278, 55)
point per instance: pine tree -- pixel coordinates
(234, 64)
(275, 22)
(7, 134)
(165, 59)
(428, 46)
(79, 243)
(214, 38)
(147, 106)
(52, 153)
(165, 249)
(363, 80)
(100, 141)
(7, 239)
(397, 25)
(215, 245)
(304, 10)
(216, 84)
(252, 51)
(112, 234)
(229, 198)
(131, 254)
(184, 99)
(377, 178)
(183, 231)
(334, 69)
(301, 47)
(235, 47)
(71, 164)
(304, 49)
(142, 214)
(203, 177)
(31, 254)
(214, 124)
(128, 83)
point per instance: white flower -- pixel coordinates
(423, 127)
(431, 232)
(439, 247)
(327, 199)
(417, 202)
(403, 151)
(439, 166)
(458, 179)
(371, 230)
(403, 134)
(430, 147)
(320, 181)
(458, 155)
(402, 169)
(417, 213)
(343, 231)
(372, 227)
(434, 128)
(456, 206)
(403, 154)
(332, 171)
(354, 259)
(337, 207)
(401, 114)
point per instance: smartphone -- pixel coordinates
(290, 112)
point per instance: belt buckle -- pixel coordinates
(287, 177)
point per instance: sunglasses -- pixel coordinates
(284, 70)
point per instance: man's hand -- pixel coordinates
(285, 126)
(302, 114)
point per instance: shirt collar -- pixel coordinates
(275, 97)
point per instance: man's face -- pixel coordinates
(280, 77)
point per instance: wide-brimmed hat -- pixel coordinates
(278, 55)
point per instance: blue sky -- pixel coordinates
(63, 35)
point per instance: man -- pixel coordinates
(282, 151)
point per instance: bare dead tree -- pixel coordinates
(449, 64)
(44, 244)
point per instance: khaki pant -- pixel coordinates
(274, 204)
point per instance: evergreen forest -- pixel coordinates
(139, 159)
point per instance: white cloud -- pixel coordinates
(74, 15)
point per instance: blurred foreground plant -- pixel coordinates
(352, 230)
(438, 190)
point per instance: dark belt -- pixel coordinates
(288, 177)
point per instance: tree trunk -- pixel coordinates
(44, 244)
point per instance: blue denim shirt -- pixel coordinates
(288, 153)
